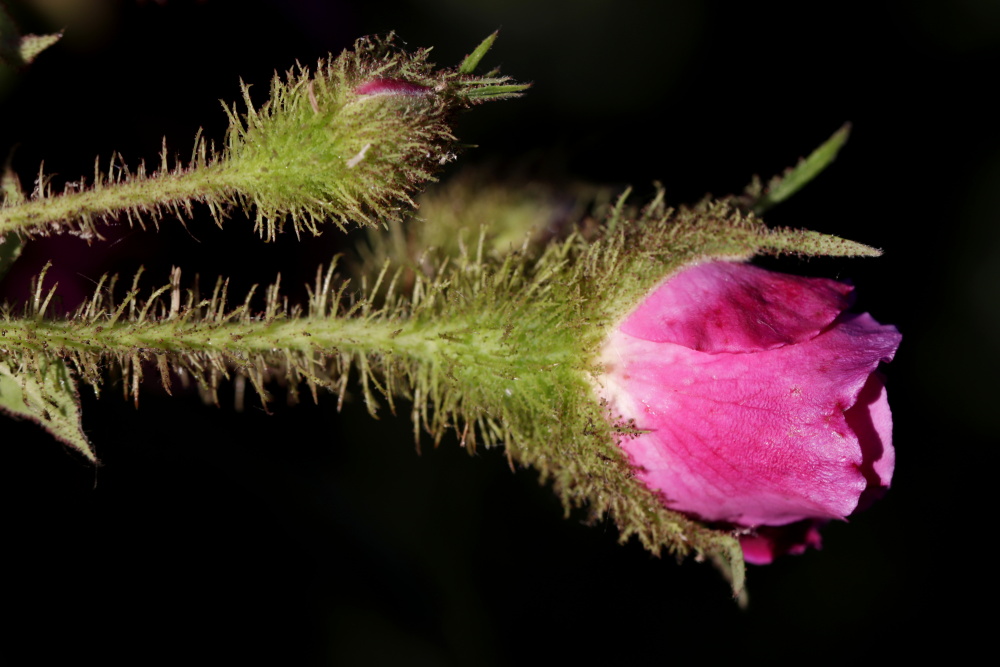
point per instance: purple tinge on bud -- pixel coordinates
(392, 87)
(761, 400)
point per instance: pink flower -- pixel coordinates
(761, 401)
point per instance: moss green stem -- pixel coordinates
(426, 343)
(171, 191)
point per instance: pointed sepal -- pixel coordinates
(794, 179)
(471, 61)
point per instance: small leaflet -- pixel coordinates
(32, 45)
(17, 50)
(47, 396)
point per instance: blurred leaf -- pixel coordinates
(32, 45)
(10, 193)
(10, 250)
(47, 395)
(10, 185)
(16, 49)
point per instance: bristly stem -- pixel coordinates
(136, 198)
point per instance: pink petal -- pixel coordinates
(733, 307)
(756, 438)
(871, 419)
(769, 542)
(391, 87)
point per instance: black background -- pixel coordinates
(312, 537)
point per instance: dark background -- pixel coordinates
(311, 537)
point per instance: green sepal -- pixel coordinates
(471, 62)
(808, 243)
(782, 187)
(484, 93)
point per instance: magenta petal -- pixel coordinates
(391, 87)
(749, 438)
(871, 420)
(769, 542)
(733, 307)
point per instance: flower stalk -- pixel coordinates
(500, 348)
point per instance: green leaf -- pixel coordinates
(782, 187)
(471, 61)
(47, 395)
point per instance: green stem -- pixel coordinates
(307, 334)
(172, 191)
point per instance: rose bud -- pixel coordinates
(751, 398)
